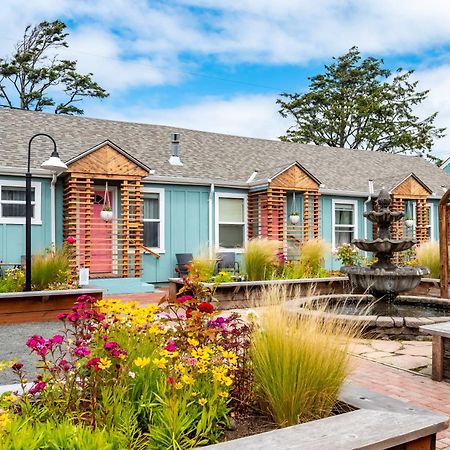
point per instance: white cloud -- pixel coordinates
(244, 115)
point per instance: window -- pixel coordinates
(230, 220)
(344, 222)
(430, 222)
(12, 202)
(153, 219)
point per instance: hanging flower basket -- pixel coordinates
(409, 223)
(294, 218)
(106, 213)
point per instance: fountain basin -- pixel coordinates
(413, 312)
(384, 245)
(384, 282)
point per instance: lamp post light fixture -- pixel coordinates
(53, 164)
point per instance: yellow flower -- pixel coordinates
(142, 362)
(168, 354)
(187, 379)
(194, 394)
(160, 363)
(104, 363)
(202, 401)
(224, 394)
(232, 357)
(4, 419)
(227, 381)
(178, 385)
(180, 368)
(192, 341)
(10, 398)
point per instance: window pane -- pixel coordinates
(231, 236)
(16, 193)
(343, 214)
(343, 237)
(231, 210)
(151, 206)
(15, 210)
(151, 234)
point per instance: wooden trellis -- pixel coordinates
(116, 244)
(268, 215)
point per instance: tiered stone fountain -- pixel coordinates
(383, 279)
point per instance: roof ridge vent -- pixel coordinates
(174, 159)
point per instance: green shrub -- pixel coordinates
(259, 258)
(202, 266)
(428, 255)
(299, 363)
(12, 281)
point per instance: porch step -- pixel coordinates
(122, 285)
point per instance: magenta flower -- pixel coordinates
(93, 362)
(57, 339)
(81, 351)
(171, 346)
(61, 316)
(39, 345)
(70, 240)
(17, 366)
(184, 298)
(110, 345)
(38, 387)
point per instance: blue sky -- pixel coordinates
(219, 65)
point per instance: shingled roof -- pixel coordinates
(216, 157)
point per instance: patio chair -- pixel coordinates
(227, 261)
(183, 259)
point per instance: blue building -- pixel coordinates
(174, 190)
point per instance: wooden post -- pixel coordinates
(305, 216)
(437, 370)
(443, 243)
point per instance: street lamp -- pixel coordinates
(55, 165)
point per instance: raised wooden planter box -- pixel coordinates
(378, 422)
(247, 294)
(39, 306)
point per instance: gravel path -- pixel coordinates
(12, 345)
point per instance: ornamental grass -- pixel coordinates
(259, 258)
(427, 254)
(312, 258)
(300, 362)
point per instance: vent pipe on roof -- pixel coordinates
(252, 176)
(175, 150)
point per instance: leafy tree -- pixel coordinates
(30, 78)
(357, 103)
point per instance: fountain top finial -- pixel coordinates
(384, 198)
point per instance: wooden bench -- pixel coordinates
(441, 349)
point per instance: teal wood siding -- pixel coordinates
(186, 229)
(12, 236)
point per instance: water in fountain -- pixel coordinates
(383, 279)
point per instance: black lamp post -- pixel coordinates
(53, 164)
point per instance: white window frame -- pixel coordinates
(36, 220)
(219, 195)
(345, 201)
(431, 225)
(162, 217)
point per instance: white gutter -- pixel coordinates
(20, 171)
(53, 210)
(369, 199)
(210, 220)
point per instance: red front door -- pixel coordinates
(101, 236)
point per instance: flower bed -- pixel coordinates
(173, 376)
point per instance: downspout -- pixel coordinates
(210, 220)
(369, 199)
(53, 210)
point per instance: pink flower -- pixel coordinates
(61, 316)
(38, 344)
(70, 240)
(171, 346)
(81, 351)
(16, 366)
(57, 339)
(184, 298)
(38, 387)
(170, 380)
(110, 345)
(65, 365)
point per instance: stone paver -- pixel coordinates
(405, 361)
(386, 346)
(415, 350)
